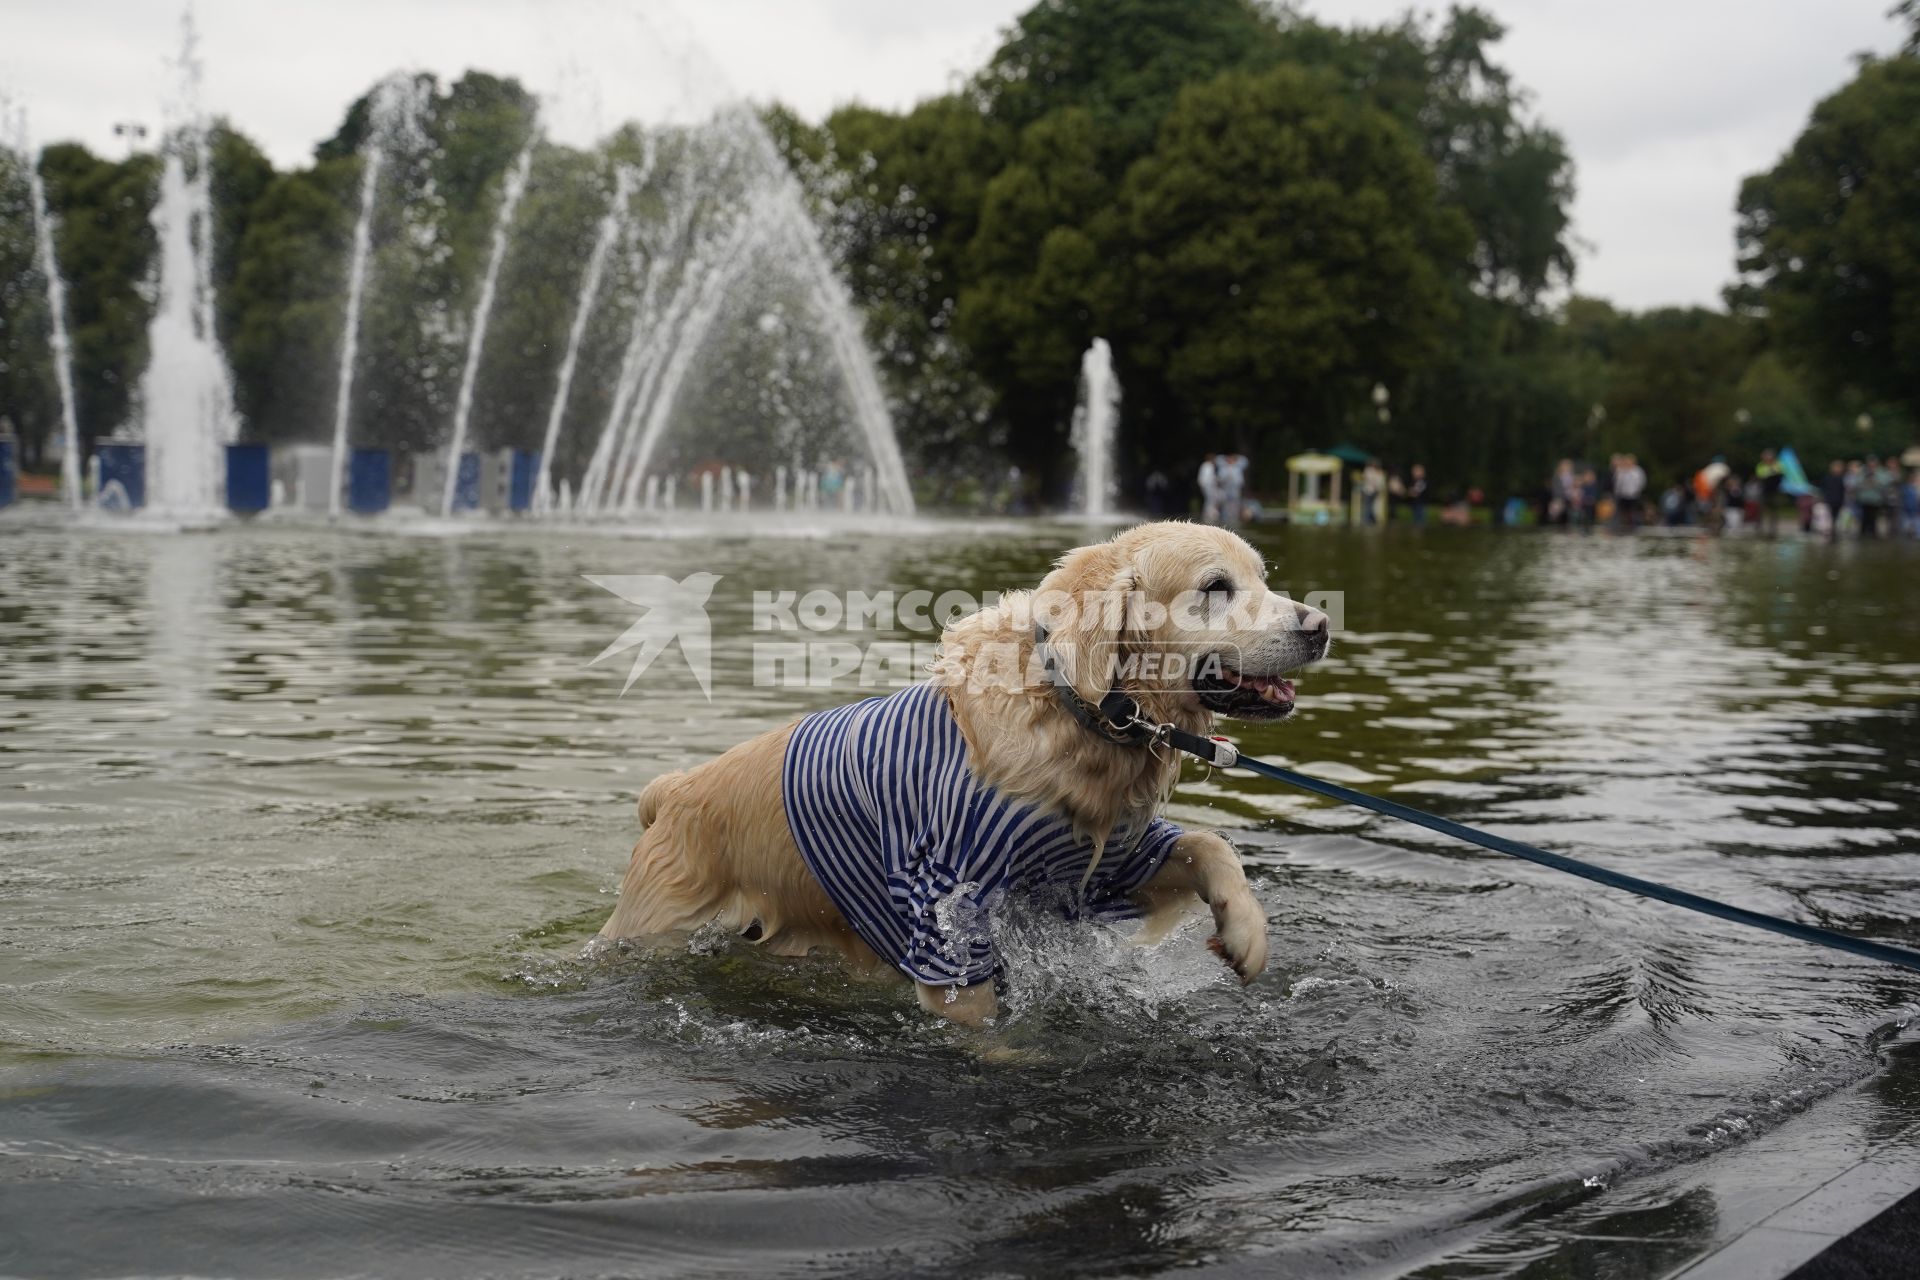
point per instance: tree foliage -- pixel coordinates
(1279, 251)
(1830, 238)
(1264, 214)
(1123, 62)
(28, 397)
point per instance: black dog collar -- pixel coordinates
(1118, 718)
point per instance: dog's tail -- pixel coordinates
(656, 794)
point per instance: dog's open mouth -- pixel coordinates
(1227, 692)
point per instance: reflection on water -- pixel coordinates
(302, 833)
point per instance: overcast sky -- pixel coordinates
(1666, 104)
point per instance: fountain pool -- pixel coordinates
(308, 829)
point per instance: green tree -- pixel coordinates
(901, 196)
(1830, 238)
(1505, 170)
(1672, 388)
(1025, 311)
(285, 307)
(1512, 393)
(1282, 249)
(1122, 61)
(28, 395)
(105, 247)
(540, 278)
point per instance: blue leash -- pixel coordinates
(1118, 718)
(1212, 750)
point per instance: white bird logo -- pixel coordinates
(673, 611)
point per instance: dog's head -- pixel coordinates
(1178, 615)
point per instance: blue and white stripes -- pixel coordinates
(916, 853)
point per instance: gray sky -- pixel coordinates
(1665, 104)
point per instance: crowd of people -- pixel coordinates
(1225, 500)
(1867, 496)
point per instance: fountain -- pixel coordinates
(186, 393)
(777, 219)
(625, 182)
(396, 105)
(57, 308)
(690, 316)
(482, 313)
(699, 251)
(642, 333)
(1095, 422)
(690, 222)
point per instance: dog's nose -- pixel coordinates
(1316, 627)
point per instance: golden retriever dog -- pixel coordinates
(891, 830)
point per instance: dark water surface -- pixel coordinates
(301, 835)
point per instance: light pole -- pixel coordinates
(132, 133)
(1381, 398)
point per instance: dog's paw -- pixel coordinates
(1240, 936)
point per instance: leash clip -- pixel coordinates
(1225, 754)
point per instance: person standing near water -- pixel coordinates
(1231, 484)
(1770, 475)
(1833, 492)
(1417, 493)
(1209, 481)
(1373, 483)
(1871, 494)
(1890, 496)
(1564, 490)
(1629, 487)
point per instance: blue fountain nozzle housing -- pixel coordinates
(369, 481)
(9, 469)
(522, 470)
(123, 473)
(249, 479)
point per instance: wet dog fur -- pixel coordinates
(716, 846)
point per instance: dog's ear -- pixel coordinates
(1086, 605)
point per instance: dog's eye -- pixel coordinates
(1218, 586)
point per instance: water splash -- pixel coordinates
(482, 313)
(396, 108)
(1095, 424)
(62, 344)
(1049, 963)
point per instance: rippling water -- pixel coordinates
(301, 835)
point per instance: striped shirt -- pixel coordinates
(917, 853)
